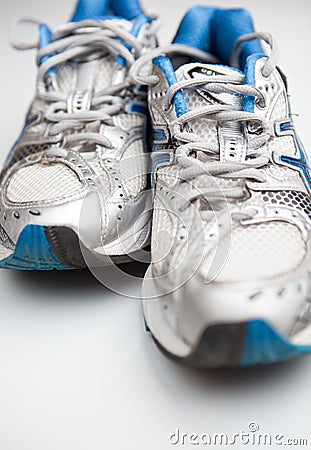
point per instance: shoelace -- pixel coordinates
(188, 142)
(85, 39)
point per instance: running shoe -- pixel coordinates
(73, 188)
(229, 283)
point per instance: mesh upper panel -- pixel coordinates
(131, 120)
(282, 145)
(66, 77)
(283, 173)
(134, 168)
(26, 150)
(293, 199)
(280, 109)
(105, 73)
(263, 251)
(203, 127)
(39, 182)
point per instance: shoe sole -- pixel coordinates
(52, 248)
(42, 248)
(243, 344)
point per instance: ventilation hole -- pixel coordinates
(34, 212)
(120, 206)
(255, 295)
(16, 215)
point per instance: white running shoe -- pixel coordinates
(74, 185)
(229, 283)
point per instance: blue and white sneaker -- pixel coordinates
(229, 283)
(74, 184)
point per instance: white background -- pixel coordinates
(77, 370)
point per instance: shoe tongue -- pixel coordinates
(190, 71)
(207, 129)
(81, 80)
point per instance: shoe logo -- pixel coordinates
(212, 99)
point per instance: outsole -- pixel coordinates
(243, 344)
(55, 248)
(33, 251)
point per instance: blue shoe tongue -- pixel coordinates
(96, 9)
(86, 9)
(103, 18)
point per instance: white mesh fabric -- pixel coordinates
(163, 225)
(133, 168)
(131, 120)
(280, 110)
(38, 182)
(283, 173)
(263, 251)
(282, 145)
(105, 71)
(168, 174)
(205, 128)
(162, 219)
(292, 199)
(66, 77)
(25, 150)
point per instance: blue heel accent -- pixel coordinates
(263, 345)
(33, 252)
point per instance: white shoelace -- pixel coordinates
(188, 142)
(86, 39)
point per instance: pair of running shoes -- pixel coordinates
(214, 172)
